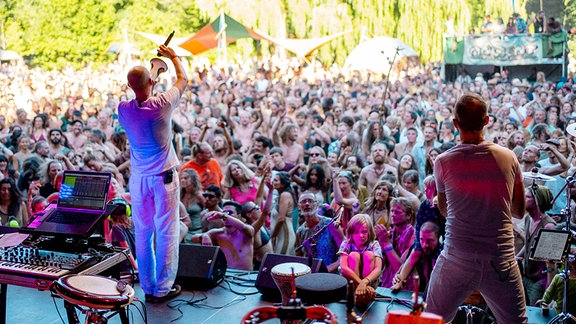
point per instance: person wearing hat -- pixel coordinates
(535, 279)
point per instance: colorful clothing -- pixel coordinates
(401, 242)
(325, 247)
(244, 197)
(210, 173)
(348, 247)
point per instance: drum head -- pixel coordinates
(321, 288)
(93, 291)
(285, 269)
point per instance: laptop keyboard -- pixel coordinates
(68, 217)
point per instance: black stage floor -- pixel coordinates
(224, 304)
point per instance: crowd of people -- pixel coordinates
(516, 25)
(261, 162)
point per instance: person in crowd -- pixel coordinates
(429, 242)
(511, 27)
(212, 202)
(154, 184)
(23, 152)
(378, 204)
(315, 181)
(286, 138)
(520, 23)
(191, 198)
(488, 25)
(234, 238)
(345, 200)
(243, 130)
(555, 291)
(256, 216)
(205, 165)
(283, 235)
(421, 152)
(325, 244)
(222, 143)
(6, 170)
(409, 144)
(276, 160)
(239, 183)
(12, 204)
(42, 150)
(535, 278)
(36, 206)
(428, 212)
(405, 163)
(411, 182)
(477, 168)
(532, 154)
(57, 142)
(372, 173)
(397, 240)
(49, 170)
(75, 136)
(102, 149)
(361, 257)
(39, 128)
(122, 234)
(31, 167)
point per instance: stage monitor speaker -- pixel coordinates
(200, 267)
(264, 281)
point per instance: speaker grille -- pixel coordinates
(200, 267)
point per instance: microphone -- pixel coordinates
(167, 41)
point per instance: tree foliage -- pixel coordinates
(54, 33)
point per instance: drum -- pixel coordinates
(321, 288)
(92, 291)
(284, 274)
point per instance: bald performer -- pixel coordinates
(154, 185)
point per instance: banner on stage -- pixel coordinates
(503, 50)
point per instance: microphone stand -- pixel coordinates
(308, 243)
(565, 316)
(569, 179)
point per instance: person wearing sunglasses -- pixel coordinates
(212, 197)
(234, 238)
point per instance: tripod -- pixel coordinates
(564, 317)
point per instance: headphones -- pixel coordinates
(122, 201)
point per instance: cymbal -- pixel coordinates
(537, 176)
(571, 129)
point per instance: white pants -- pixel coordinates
(156, 227)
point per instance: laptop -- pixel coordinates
(81, 205)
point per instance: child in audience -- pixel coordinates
(361, 257)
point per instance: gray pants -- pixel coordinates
(455, 278)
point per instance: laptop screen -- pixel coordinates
(85, 190)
